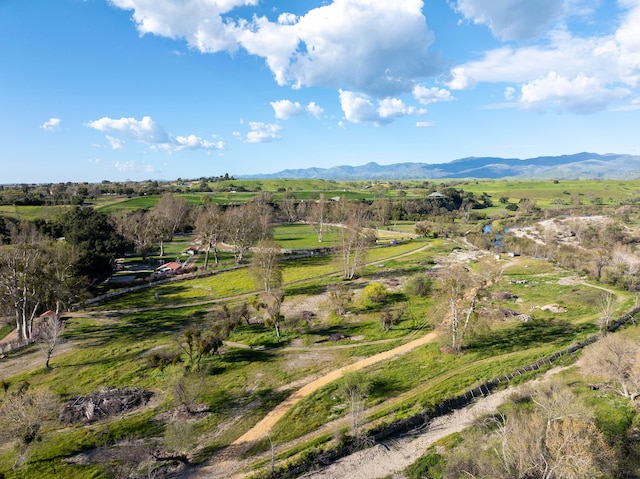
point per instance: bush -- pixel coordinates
(419, 285)
(374, 293)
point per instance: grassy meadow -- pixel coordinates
(133, 340)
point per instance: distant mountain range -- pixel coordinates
(577, 166)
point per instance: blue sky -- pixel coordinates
(95, 90)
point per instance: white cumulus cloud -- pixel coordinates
(374, 46)
(426, 95)
(566, 72)
(193, 142)
(286, 109)
(145, 130)
(116, 143)
(518, 20)
(581, 94)
(261, 132)
(127, 166)
(52, 124)
(315, 110)
(149, 132)
(361, 108)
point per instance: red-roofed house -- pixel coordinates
(167, 267)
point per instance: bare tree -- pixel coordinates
(606, 304)
(23, 414)
(210, 226)
(319, 217)
(381, 211)
(243, 227)
(62, 282)
(265, 265)
(170, 213)
(289, 207)
(49, 336)
(617, 361)
(142, 228)
(354, 240)
(461, 291)
(355, 389)
(555, 437)
(180, 438)
(272, 303)
(128, 459)
(601, 257)
(340, 295)
(21, 283)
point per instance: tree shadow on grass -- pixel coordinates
(136, 327)
(526, 335)
(306, 289)
(383, 387)
(398, 272)
(235, 356)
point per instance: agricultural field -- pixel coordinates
(271, 393)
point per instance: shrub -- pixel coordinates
(419, 285)
(374, 293)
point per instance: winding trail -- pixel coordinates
(264, 426)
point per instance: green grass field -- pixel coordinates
(115, 343)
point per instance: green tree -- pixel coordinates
(419, 285)
(197, 343)
(94, 240)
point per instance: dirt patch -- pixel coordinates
(306, 360)
(564, 230)
(318, 304)
(553, 308)
(184, 413)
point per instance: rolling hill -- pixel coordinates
(576, 166)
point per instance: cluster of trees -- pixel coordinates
(39, 270)
(50, 264)
(78, 193)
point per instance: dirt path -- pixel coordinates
(21, 361)
(264, 426)
(228, 464)
(388, 460)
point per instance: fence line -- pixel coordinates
(422, 419)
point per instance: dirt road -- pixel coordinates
(265, 425)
